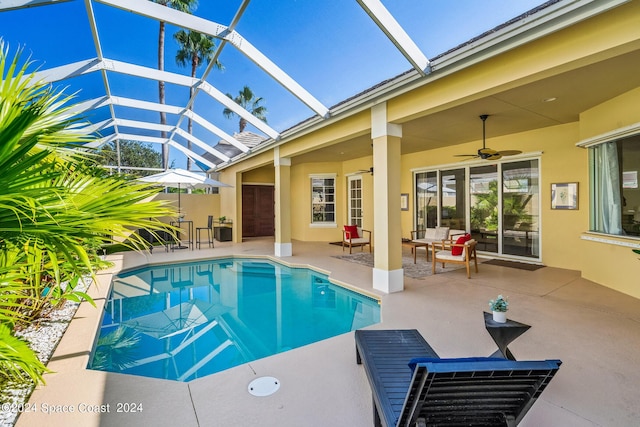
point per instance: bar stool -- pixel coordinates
(209, 229)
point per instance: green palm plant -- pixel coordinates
(249, 102)
(195, 49)
(56, 204)
(17, 361)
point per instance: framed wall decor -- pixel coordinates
(404, 201)
(564, 195)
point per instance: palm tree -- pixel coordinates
(56, 207)
(247, 100)
(183, 6)
(195, 48)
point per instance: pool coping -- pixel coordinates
(273, 260)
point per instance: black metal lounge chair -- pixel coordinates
(160, 236)
(445, 392)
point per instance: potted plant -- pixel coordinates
(222, 219)
(499, 307)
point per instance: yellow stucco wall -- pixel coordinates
(196, 207)
(560, 161)
(301, 202)
(263, 175)
(587, 42)
(609, 34)
(612, 265)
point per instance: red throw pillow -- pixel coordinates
(457, 250)
(352, 231)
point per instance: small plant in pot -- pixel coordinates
(499, 307)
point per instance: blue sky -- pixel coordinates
(332, 48)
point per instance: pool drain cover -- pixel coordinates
(264, 386)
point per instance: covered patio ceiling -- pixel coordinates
(118, 82)
(549, 101)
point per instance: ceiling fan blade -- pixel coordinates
(509, 152)
(370, 170)
(488, 153)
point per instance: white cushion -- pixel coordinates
(441, 233)
(447, 255)
(429, 234)
(358, 240)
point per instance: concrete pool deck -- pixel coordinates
(595, 332)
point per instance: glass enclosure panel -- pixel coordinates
(483, 188)
(520, 204)
(355, 201)
(426, 200)
(452, 199)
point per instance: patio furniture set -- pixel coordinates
(205, 234)
(446, 245)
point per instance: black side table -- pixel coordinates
(503, 334)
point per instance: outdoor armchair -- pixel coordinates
(461, 252)
(355, 236)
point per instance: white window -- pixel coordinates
(323, 199)
(615, 196)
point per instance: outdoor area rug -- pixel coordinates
(514, 264)
(419, 270)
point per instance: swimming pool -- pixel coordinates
(184, 321)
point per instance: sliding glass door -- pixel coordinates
(452, 199)
(520, 208)
(497, 202)
(484, 218)
(426, 200)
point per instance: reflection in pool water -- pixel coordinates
(184, 321)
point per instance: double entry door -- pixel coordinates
(258, 210)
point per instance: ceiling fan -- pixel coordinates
(489, 153)
(370, 170)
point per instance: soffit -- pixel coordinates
(511, 111)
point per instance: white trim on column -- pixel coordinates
(379, 125)
(388, 281)
(280, 161)
(283, 249)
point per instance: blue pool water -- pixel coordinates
(184, 321)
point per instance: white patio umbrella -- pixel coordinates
(181, 178)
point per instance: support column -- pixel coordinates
(388, 275)
(236, 213)
(283, 205)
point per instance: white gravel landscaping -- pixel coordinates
(43, 336)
